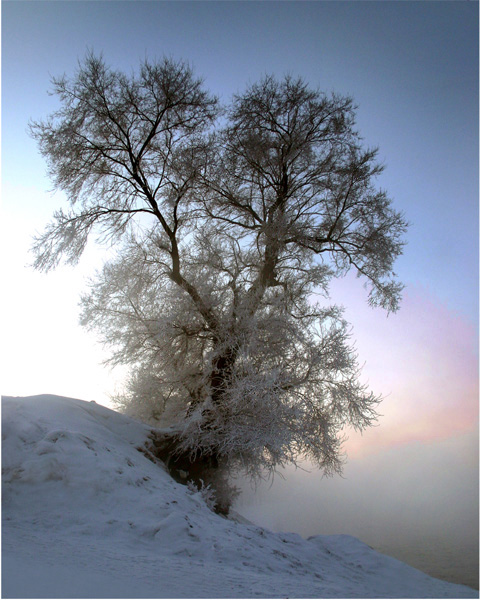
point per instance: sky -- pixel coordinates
(412, 69)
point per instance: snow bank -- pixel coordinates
(86, 514)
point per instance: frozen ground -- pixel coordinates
(86, 515)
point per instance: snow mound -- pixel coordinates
(86, 514)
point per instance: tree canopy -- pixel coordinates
(230, 222)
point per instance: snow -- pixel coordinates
(87, 515)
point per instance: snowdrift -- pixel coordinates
(86, 514)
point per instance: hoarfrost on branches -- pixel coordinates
(226, 232)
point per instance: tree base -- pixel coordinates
(202, 471)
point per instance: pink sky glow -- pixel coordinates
(424, 361)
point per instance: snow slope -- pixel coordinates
(85, 514)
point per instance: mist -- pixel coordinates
(417, 502)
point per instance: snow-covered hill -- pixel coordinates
(86, 514)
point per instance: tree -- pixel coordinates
(228, 223)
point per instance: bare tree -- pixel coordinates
(227, 229)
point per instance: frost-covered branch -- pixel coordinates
(225, 233)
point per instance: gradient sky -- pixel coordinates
(412, 68)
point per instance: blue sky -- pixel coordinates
(412, 68)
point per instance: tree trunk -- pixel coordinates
(221, 374)
(202, 471)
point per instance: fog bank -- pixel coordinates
(418, 502)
